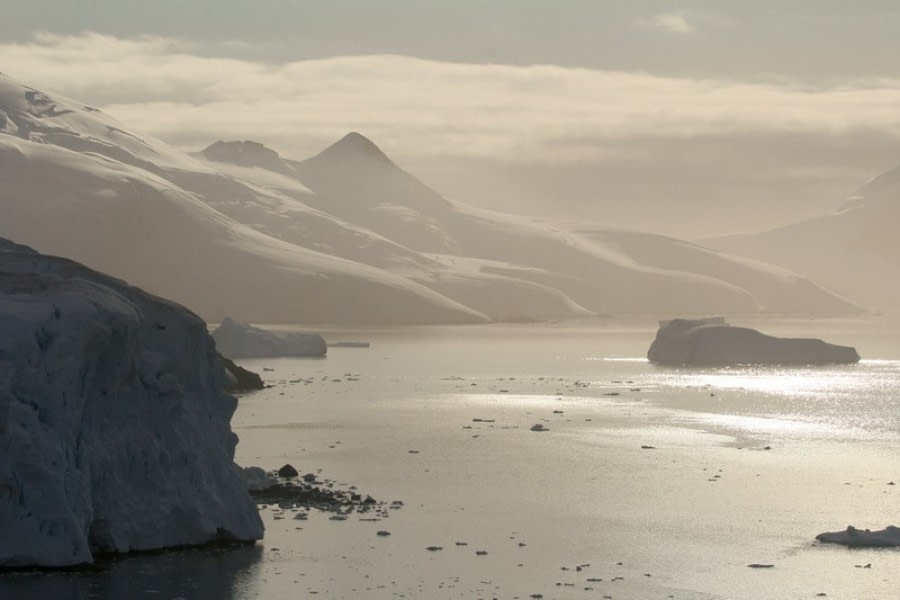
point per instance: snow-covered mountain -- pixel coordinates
(344, 237)
(855, 250)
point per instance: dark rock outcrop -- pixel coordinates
(863, 538)
(239, 379)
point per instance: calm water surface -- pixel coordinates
(747, 465)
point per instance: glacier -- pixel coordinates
(114, 430)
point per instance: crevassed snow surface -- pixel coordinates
(114, 430)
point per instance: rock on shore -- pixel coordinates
(863, 538)
(114, 429)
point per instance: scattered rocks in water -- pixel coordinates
(287, 471)
(434, 548)
(383, 533)
(312, 494)
(482, 420)
(538, 427)
(648, 447)
(760, 566)
(481, 552)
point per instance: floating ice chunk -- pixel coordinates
(715, 342)
(238, 340)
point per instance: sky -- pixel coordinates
(687, 118)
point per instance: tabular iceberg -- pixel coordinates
(114, 429)
(239, 340)
(714, 342)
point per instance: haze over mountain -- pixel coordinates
(344, 237)
(854, 250)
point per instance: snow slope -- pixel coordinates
(114, 429)
(343, 237)
(855, 250)
(593, 266)
(108, 211)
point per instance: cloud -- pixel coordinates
(421, 108)
(668, 22)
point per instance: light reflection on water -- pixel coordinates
(806, 401)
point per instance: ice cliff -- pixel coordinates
(114, 429)
(715, 342)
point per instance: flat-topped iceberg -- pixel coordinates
(239, 340)
(713, 342)
(114, 430)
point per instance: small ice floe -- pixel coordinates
(865, 538)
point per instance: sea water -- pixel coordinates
(648, 482)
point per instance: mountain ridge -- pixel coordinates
(345, 236)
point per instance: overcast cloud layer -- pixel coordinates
(627, 138)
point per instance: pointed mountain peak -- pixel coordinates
(244, 154)
(355, 146)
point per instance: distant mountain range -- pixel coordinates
(855, 250)
(343, 237)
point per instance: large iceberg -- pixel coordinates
(714, 342)
(114, 429)
(239, 340)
